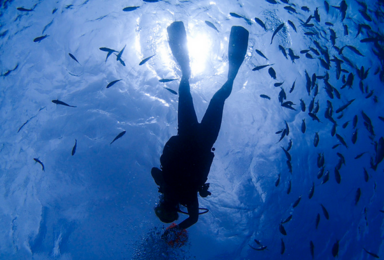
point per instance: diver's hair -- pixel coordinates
(165, 214)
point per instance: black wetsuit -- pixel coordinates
(187, 157)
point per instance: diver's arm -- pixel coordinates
(193, 211)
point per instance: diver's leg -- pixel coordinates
(210, 125)
(186, 113)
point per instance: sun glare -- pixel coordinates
(199, 46)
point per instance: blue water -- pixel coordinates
(98, 203)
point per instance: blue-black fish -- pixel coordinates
(38, 161)
(272, 2)
(370, 253)
(344, 106)
(23, 9)
(282, 230)
(305, 8)
(272, 72)
(308, 85)
(290, 9)
(40, 38)
(303, 127)
(311, 191)
(9, 71)
(314, 117)
(317, 220)
(365, 15)
(240, 16)
(211, 25)
(118, 136)
(261, 23)
(341, 139)
(320, 160)
(265, 96)
(260, 67)
(166, 80)
(261, 54)
(288, 104)
(312, 249)
(282, 49)
(289, 158)
(110, 84)
(316, 139)
(277, 30)
(58, 102)
(151, 1)
(74, 148)
(282, 247)
(328, 23)
(146, 59)
(130, 8)
(333, 131)
(317, 15)
(366, 175)
(289, 187)
(302, 105)
(292, 25)
(289, 145)
(277, 181)
(354, 136)
(287, 219)
(357, 197)
(278, 84)
(259, 249)
(337, 176)
(292, 55)
(118, 56)
(325, 178)
(359, 155)
(293, 87)
(296, 202)
(73, 57)
(171, 90)
(343, 9)
(326, 5)
(108, 50)
(335, 249)
(320, 173)
(379, 152)
(326, 215)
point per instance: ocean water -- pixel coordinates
(98, 203)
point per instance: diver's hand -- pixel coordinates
(169, 233)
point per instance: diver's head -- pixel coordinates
(166, 212)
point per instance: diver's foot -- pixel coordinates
(178, 44)
(238, 44)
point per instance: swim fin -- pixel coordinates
(238, 44)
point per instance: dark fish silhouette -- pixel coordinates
(320, 173)
(292, 25)
(130, 8)
(302, 105)
(312, 249)
(289, 187)
(110, 51)
(260, 67)
(293, 87)
(366, 175)
(110, 84)
(317, 220)
(320, 160)
(311, 191)
(278, 84)
(337, 176)
(354, 121)
(272, 2)
(259, 249)
(333, 131)
(166, 80)
(282, 230)
(58, 102)
(265, 96)
(343, 9)
(346, 30)
(370, 253)
(317, 15)
(357, 197)
(309, 83)
(73, 57)
(211, 25)
(289, 158)
(9, 71)
(289, 145)
(379, 152)
(118, 136)
(22, 9)
(345, 124)
(40, 38)
(289, 166)
(242, 17)
(118, 56)
(326, 215)
(316, 140)
(287, 219)
(277, 30)
(305, 8)
(272, 72)
(171, 90)
(146, 59)
(328, 23)
(261, 23)
(341, 139)
(282, 247)
(261, 54)
(277, 181)
(74, 148)
(292, 55)
(38, 161)
(296, 202)
(281, 48)
(303, 127)
(325, 178)
(288, 104)
(335, 249)
(354, 136)
(290, 9)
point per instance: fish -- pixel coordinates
(352, 48)
(343, 9)
(110, 51)
(289, 166)
(110, 84)
(261, 54)
(337, 176)
(38, 161)
(272, 2)
(258, 242)
(282, 230)
(22, 9)
(326, 5)
(303, 127)
(317, 220)
(354, 136)
(278, 84)
(345, 124)
(355, 121)
(316, 91)
(58, 102)
(359, 155)
(379, 152)
(337, 94)
(325, 178)
(320, 160)
(282, 247)
(171, 90)
(118, 56)
(287, 219)
(309, 56)
(316, 139)
(166, 80)
(260, 67)
(118, 136)
(302, 105)
(277, 30)
(130, 8)
(344, 106)
(240, 16)
(289, 187)
(292, 55)
(341, 139)
(317, 15)
(211, 25)
(286, 127)
(310, 33)
(320, 173)
(146, 59)
(366, 175)
(283, 134)
(370, 94)
(259, 249)
(305, 8)
(357, 197)
(365, 15)
(9, 71)
(308, 85)
(292, 25)
(325, 212)
(341, 157)
(282, 49)
(333, 36)
(290, 9)
(261, 23)
(74, 148)
(324, 64)
(304, 51)
(296, 202)
(289, 145)
(277, 181)
(73, 57)
(370, 253)
(314, 51)
(293, 87)
(272, 73)
(328, 23)
(265, 96)
(40, 38)
(311, 105)
(282, 96)
(311, 191)
(381, 118)
(335, 249)
(345, 29)
(312, 249)
(151, 1)
(288, 104)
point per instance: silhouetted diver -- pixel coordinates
(187, 157)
